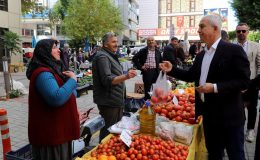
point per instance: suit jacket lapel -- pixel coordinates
(215, 59)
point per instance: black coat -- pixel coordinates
(174, 55)
(140, 58)
(229, 70)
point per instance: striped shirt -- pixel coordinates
(150, 61)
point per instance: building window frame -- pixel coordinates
(4, 5)
(192, 5)
(192, 21)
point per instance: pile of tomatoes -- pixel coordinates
(183, 112)
(143, 147)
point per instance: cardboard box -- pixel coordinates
(139, 87)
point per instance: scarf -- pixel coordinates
(42, 58)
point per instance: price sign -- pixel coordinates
(175, 100)
(126, 137)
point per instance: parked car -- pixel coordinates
(136, 48)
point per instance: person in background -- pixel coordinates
(108, 83)
(255, 85)
(147, 60)
(65, 55)
(53, 116)
(93, 52)
(128, 50)
(252, 50)
(193, 50)
(224, 36)
(220, 73)
(174, 53)
(80, 56)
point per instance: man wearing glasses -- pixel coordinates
(252, 50)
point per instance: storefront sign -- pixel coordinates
(192, 31)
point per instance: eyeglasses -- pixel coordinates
(243, 31)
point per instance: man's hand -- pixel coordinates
(206, 88)
(131, 73)
(166, 66)
(145, 67)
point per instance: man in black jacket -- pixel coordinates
(147, 60)
(174, 53)
(220, 73)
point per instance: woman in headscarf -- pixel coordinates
(53, 117)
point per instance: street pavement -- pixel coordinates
(17, 110)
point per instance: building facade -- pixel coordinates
(10, 13)
(174, 18)
(130, 18)
(37, 24)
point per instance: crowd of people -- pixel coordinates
(226, 77)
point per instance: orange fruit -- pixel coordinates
(102, 157)
(111, 158)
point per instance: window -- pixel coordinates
(43, 29)
(192, 21)
(4, 5)
(192, 5)
(168, 21)
(27, 32)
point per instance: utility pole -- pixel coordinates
(6, 76)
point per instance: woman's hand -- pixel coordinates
(70, 74)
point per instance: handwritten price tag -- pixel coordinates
(175, 100)
(126, 137)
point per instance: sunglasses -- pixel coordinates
(239, 31)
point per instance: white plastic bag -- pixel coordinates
(130, 123)
(160, 88)
(19, 86)
(183, 133)
(165, 130)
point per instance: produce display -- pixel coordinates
(86, 79)
(184, 110)
(143, 147)
(176, 105)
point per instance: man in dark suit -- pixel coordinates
(173, 52)
(147, 60)
(220, 73)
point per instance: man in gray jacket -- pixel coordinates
(252, 50)
(108, 83)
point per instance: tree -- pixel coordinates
(91, 19)
(12, 43)
(232, 35)
(254, 36)
(27, 6)
(248, 11)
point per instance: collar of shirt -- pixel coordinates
(213, 47)
(245, 45)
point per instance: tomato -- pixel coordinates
(132, 156)
(144, 158)
(164, 111)
(155, 157)
(169, 108)
(135, 152)
(154, 99)
(139, 156)
(192, 99)
(144, 152)
(151, 151)
(123, 156)
(181, 103)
